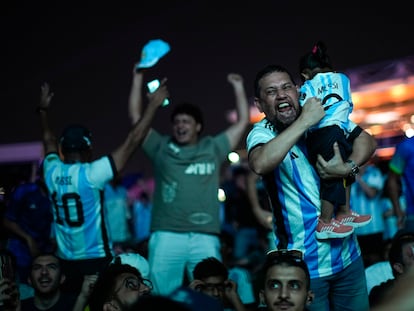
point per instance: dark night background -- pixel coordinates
(86, 52)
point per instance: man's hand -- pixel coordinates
(45, 96)
(312, 111)
(235, 79)
(334, 168)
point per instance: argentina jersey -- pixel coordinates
(334, 89)
(293, 190)
(76, 191)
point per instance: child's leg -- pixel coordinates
(345, 215)
(345, 209)
(327, 211)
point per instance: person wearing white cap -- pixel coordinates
(135, 260)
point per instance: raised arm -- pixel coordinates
(135, 96)
(141, 127)
(235, 131)
(48, 137)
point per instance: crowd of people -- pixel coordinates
(78, 240)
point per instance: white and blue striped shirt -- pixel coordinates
(334, 89)
(76, 190)
(293, 188)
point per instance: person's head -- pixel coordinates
(187, 121)
(315, 61)
(286, 281)
(46, 276)
(277, 96)
(214, 274)
(118, 287)
(401, 252)
(76, 143)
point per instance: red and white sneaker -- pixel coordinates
(354, 219)
(332, 230)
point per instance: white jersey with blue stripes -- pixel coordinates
(293, 189)
(76, 190)
(334, 89)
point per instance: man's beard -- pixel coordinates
(281, 126)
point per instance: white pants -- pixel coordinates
(171, 254)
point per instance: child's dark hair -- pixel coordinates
(316, 59)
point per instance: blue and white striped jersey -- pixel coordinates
(293, 188)
(334, 89)
(76, 190)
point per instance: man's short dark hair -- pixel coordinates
(191, 110)
(208, 267)
(264, 72)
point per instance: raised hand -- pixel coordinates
(45, 96)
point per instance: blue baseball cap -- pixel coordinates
(152, 52)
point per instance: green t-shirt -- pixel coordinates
(186, 182)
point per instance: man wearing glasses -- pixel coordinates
(118, 288)
(211, 277)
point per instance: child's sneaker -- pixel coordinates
(354, 219)
(332, 230)
(152, 52)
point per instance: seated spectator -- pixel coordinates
(400, 297)
(211, 277)
(286, 282)
(46, 278)
(401, 258)
(118, 287)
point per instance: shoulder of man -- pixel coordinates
(378, 291)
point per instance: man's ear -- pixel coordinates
(398, 267)
(198, 128)
(257, 104)
(62, 278)
(310, 297)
